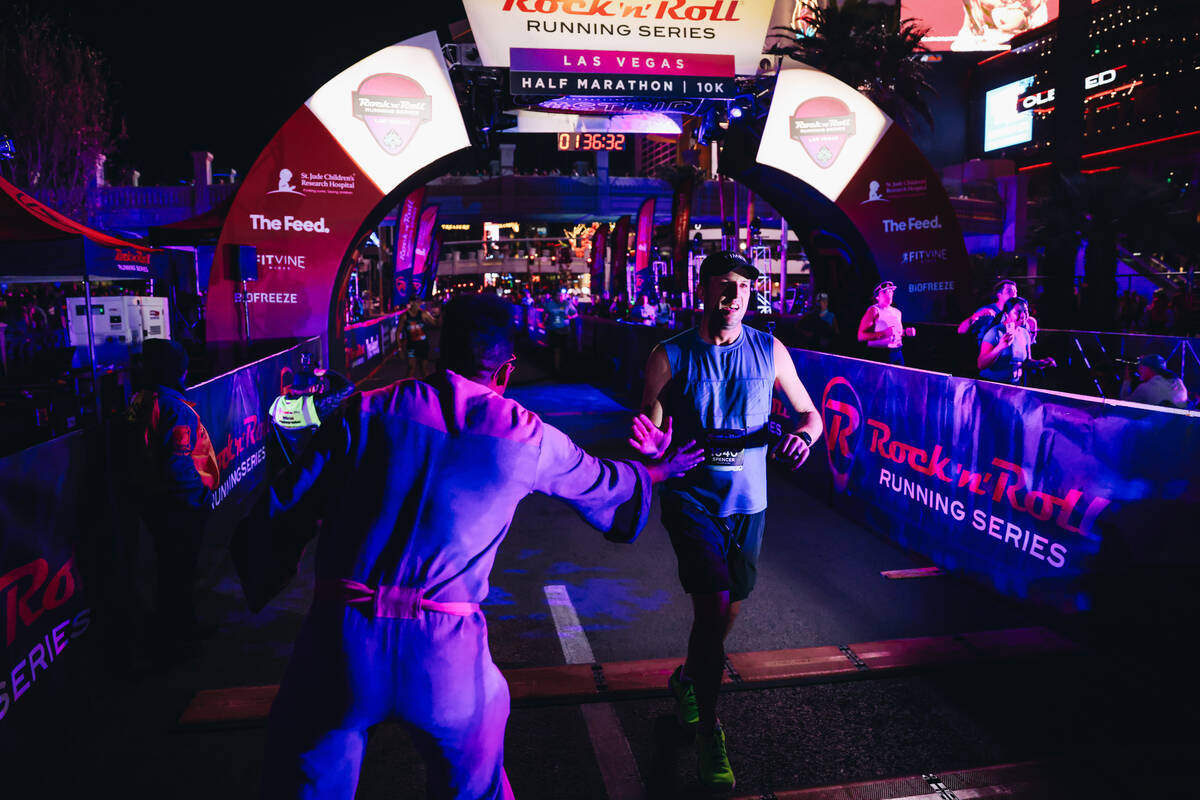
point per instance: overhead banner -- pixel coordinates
(643, 273)
(620, 258)
(1029, 490)
(726, 27)
(834, 139)
(304, 201)
(420, 271)
(596, 259)
(406, 245)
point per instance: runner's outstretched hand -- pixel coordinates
(648, 440)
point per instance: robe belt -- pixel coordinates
(390, 602)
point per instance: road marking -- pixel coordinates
(622, 781)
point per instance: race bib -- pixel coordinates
(726, 449)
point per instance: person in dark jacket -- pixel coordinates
(175, 474)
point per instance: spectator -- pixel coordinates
(417, 322)
(558, 315)
(882, 329)
(1157, 385)
(601, 305)
(643, 312)
(1158, 317)
(663, 313)
(985, 317)
(1004, 351)
(174, 473)
(619, 308)
(826, 322)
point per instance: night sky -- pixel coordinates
(223, 76)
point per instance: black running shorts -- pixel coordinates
(715, 554)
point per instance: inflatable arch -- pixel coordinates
(826, 158)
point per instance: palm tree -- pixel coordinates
(868, 46)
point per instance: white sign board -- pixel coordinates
(726, 27)
(819, 130)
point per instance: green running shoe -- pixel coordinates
(713, 762)
(686, 710)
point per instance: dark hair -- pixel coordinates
(477, 334)
(1012, 303)
(1000, 284)
(164, 363)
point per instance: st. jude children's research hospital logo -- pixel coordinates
(822, 125)
(392, 107)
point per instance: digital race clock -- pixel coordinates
(591, 141)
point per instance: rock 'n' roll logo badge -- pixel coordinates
(401, 286)
(822, 125)
(392, 107)
(841, 411)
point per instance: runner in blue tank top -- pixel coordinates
(714, 384)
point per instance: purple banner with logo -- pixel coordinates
(643, 274)
(435, 253)
(406, 240)
(420, 272)
(681, 217)
(1027, 490)
(596, 259)
(620, 257)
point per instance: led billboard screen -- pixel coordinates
(1004, 124)
(976, 24)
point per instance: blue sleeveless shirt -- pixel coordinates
(720, 395)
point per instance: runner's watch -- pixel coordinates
(804, 437)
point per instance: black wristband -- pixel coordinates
(804, 437)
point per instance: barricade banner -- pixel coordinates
(45, 610)
(1028, 490)
(620, 257)
(420, 272)
(234, 407)
(369, 342)
(65, 566)
(406, 241)
(1053, 497)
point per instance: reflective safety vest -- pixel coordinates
(293, 413)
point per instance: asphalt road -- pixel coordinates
(1112, 719)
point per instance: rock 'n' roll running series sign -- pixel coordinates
(836, 140)
(301, 205)
(730, 27)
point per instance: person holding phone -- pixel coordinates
(1004, 350)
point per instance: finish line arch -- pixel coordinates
(826, 158)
